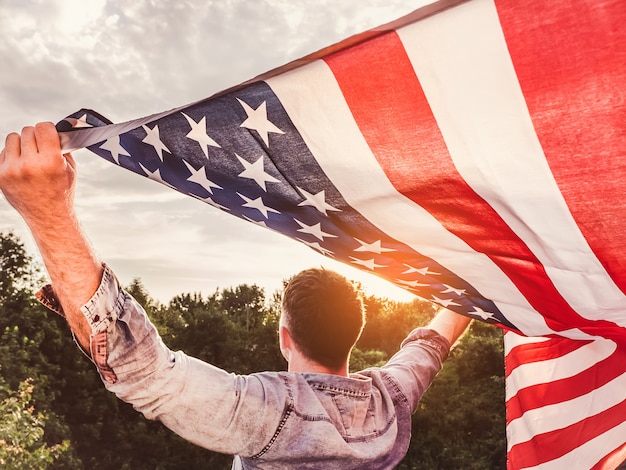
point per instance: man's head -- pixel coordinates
(323, 313)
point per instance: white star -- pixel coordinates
(450, 289)
(422, 271)
(479, 312)
(210, 202)
(316, 200)
(80, 122)
(318, 247)
(445, 302)
(258, 205)
(114, 146)
(155, 175)
(368, 263)
(411, 283)
(256, 171)
(315, 230)
(199, 177)
(375, 247)
(198, 133)
(152, 138)
(257, 120)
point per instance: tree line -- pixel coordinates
(55, 413)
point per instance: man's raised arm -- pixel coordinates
(450, 325)
(38, 181)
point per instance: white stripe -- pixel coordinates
(549, 370)
(512, 339)
(588, 454)
(563, 414)
(88, 136)
(316, 105)
(466, 72)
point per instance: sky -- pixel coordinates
(127, 60)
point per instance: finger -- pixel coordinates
(28, 143)
(12, 145)
(47, 138)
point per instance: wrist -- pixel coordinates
(450, 325)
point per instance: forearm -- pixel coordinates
(450, 325)
(73, 268)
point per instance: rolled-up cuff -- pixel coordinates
(100, 311)
(438, 342)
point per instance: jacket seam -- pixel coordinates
(399, 394)
(289, 409)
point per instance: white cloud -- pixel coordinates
(74, 16)
(129, 59)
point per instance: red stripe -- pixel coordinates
(569, 57)
(389, 106)
(561, 390)
(543, 351)
(552, 445)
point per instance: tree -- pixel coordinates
(18, 273)
(233, 329)
(389, 322)
(245, 304)
(360, 360)
(460, 423)
(22, 431)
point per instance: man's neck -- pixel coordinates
(299, 363)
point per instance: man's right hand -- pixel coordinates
(39, 181)
(36, 178)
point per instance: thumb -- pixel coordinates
(70, 160)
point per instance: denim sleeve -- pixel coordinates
(415, 366)
(204, 404)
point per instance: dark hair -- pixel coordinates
(324, 315)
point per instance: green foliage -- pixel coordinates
(17, 272)
(22, 430)
(244, 304)
(233, 329)
(389, 322)
(460, 423)
(360, 360)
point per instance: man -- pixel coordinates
(315, 415)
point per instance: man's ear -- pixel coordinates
(286, 343)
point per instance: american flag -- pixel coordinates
(472, 153)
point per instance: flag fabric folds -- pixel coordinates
(473, 153)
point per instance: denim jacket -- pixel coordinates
(267, 420)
